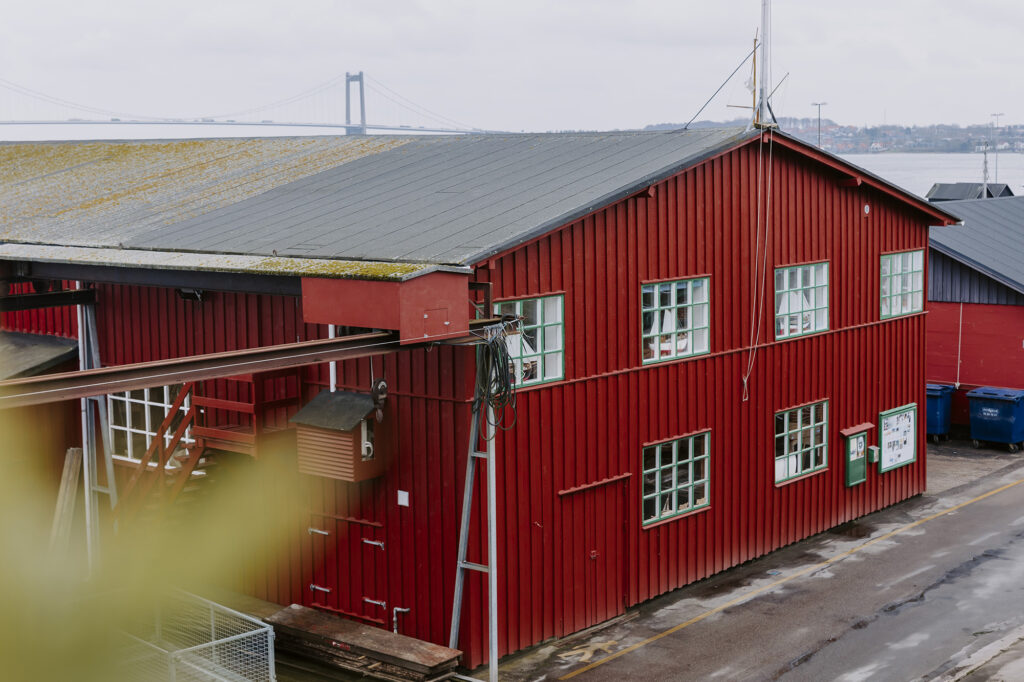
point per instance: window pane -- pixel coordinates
(698, 291)
(529, 341)
(700, 469)
(918, 300)
(780, 446)
(821, 320)
(885, 265)
(700, 444)
(507, 308)
(780, 280)
(821, 274)
(794, 278)
(700, 340)
(819, 456)
(647, 296)
(553, 366)
(650, 458)
(118, 415)
(805, 277)
(780, 424)
(683, 499)
(918, 262)
(530, 366)
(700, 494)
(530, 313)
(650, 509)
(649, 324)
(683, 474)
(665, 295)
(552, 338)
(552, 310)
(820, 297)
(120, 442)
(666, 480)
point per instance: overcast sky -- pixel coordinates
(523, 64)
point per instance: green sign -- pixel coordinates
(897, 436)
(856, 459)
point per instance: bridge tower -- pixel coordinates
(349, 128)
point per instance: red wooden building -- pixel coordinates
(719, 327)
(976, 299)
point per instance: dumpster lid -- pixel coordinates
(938, 389)
(995, 393)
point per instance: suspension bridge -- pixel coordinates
(328, 105)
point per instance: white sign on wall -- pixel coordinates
(897, 437)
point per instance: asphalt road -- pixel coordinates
(903, 594)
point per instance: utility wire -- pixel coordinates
(437, 116)
(738, 67)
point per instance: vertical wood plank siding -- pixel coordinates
(950, 281)
(592, 426)
(567, 561)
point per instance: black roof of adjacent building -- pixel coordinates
(990, 241)
(956, 191)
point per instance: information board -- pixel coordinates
(897, 437)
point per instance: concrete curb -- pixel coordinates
(983, 656)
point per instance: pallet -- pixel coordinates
(371, 651)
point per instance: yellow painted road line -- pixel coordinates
(782, 581)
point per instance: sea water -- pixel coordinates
(917, 172)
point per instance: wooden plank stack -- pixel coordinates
(353, 646)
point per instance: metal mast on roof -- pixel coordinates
(763, 116)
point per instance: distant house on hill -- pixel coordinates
(975, 328)
(957, 191)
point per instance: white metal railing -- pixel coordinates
(193, 639)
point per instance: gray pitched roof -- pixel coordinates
(954, 191)
(453, 200)
(991, 239)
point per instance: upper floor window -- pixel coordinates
(676, 477)
(675, 319)
(902, 283)
(801, 300)
(536, 348)
(135, 416)
(801, 441)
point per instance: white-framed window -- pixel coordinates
(537, 348)
(677, 477)
(801, 441)
(902, 284)
(801, 300)
(675, 319)
(135, 416)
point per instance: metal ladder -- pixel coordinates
(93, 407)
(491, 569)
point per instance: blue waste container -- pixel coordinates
(940, 402)
(997, 416)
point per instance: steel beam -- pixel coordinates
(50, 299)
(70, 385)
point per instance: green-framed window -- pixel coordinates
(801, 300)
(675, 319)
(801, 441)
(902, 283)
(537, 348)
(677, 477)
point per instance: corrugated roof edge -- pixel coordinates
(217, 262)
(623, 192)
(975, 265)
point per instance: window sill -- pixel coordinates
(682, 515)
(802, 477)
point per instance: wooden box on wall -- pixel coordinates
(334, 437)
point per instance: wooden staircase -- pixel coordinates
(241, 425)
(169, 481)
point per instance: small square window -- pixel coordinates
(674, 319)
(902, 283)
(801, 300)
(675, 477)
(801, 441)
(536, 345)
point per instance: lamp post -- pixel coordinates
(819, 105)
(996, 117)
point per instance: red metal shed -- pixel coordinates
(703, 313)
